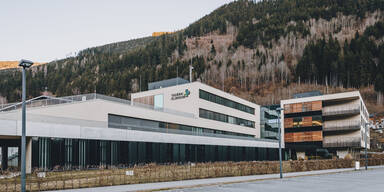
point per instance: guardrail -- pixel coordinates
(42, 101)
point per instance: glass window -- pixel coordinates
(225, 118)
(123, 122)
(159, 101)
(226, 102)
(317, 120)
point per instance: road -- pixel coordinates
(352, 181)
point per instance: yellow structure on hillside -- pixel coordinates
(12, 64)
(156, 34)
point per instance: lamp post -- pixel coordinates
(279, 109)
(366, 146)
(24, 64)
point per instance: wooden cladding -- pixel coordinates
(288, 122)
(302, 107)
(148, 100)
(317, 105)
(309, 136)
(306, 121)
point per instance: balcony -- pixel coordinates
(341, 142)
(341, 125)
(340, 110)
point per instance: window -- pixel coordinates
(159, 101)
(122, 122)
(226, 102)
(317, 120)
(225, 118)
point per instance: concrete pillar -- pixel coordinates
(4, 157)
(28, 156)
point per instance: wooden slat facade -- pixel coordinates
(302, 107)
(288, 122)
(309, 136)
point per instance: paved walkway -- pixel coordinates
(351, 181)
(215, 184)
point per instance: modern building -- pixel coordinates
(269, 122)
(318, 125)
(191, 122)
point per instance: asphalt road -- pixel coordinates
(353, 181)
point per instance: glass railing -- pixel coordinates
(42, 101)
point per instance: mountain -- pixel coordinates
(263, 51)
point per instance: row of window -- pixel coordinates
(226, 102)
(48, 153)
(203, 113)
(116, 121)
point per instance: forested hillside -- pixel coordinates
(251, 49)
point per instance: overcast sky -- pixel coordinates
(43, 30)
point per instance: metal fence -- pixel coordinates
(43, 101)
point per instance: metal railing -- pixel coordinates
(43, 101)
(341, 125)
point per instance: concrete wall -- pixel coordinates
(192, 103)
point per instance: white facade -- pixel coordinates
(88, 118)
(193, 103)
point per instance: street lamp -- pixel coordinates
(279, 109)
(366, 145)
(25, 64)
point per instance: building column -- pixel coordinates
(4, 157)
(28, 156)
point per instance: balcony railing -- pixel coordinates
(341, 126)
(333, 111)
(42, 101)
(342, 142)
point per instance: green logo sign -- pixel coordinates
(187, 93)
(180, 95)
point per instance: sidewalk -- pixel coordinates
(211, 181)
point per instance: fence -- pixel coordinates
(161, 173)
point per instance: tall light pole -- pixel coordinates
(366, 146)
(25, 64)
(279, 110)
